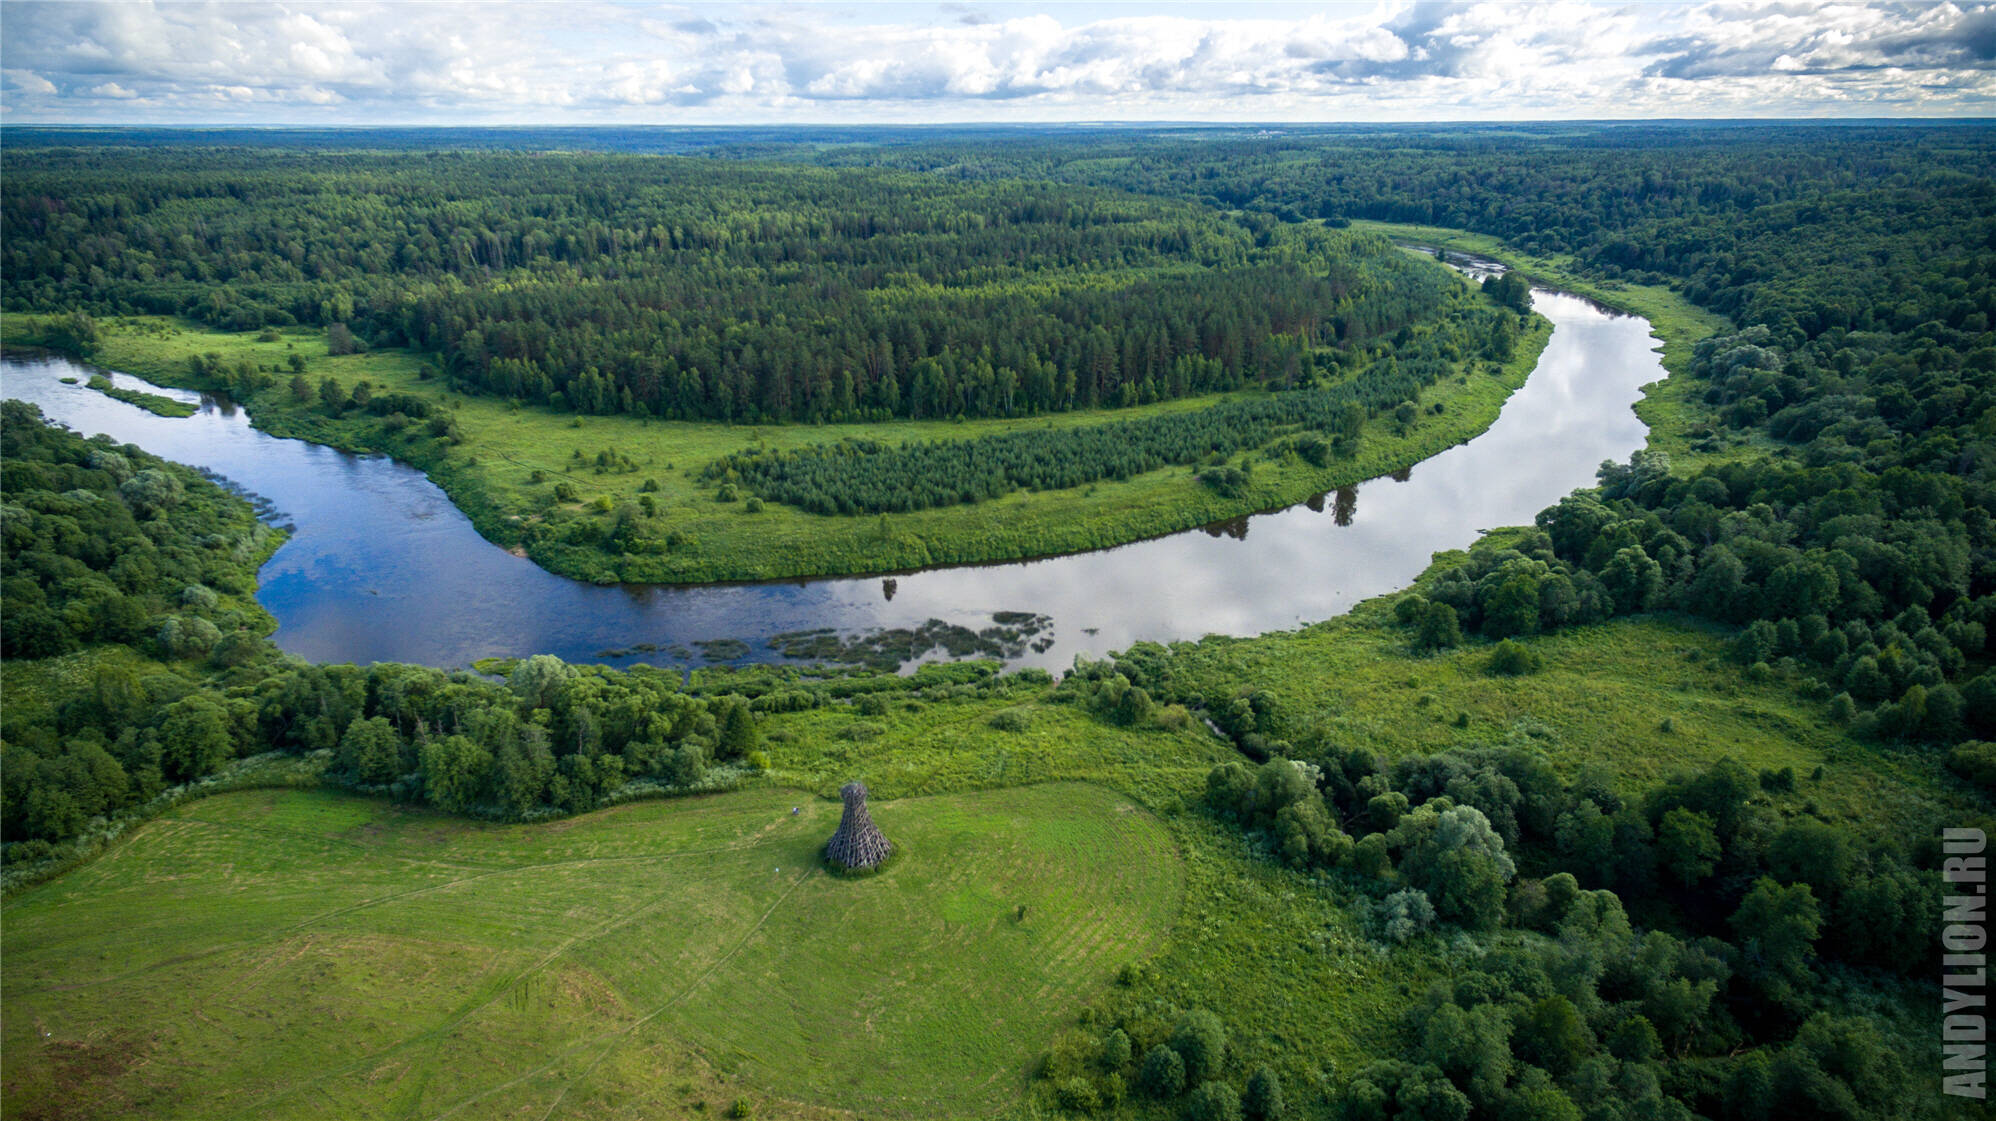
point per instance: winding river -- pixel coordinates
(382, 567)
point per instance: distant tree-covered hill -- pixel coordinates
(704, 289)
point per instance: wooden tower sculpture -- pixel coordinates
(858, 845)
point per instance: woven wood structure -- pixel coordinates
(858, 843)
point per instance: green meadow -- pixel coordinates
(1643, 697)
(286, 954)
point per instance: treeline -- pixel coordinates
(549, 739)
(871, 476)
(1801, 227)
(1674, 954)
(704, 289)
(552, 739)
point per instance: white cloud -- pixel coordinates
(694, 63)
(28, 82)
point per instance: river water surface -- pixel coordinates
(382, 567)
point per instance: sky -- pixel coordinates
(578, 63)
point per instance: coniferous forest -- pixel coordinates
(691, 289)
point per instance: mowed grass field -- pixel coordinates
(490, 474)
(288, 954)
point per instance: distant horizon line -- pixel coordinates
(96, 126)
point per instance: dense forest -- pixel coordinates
(1323, 418)
(1800, 228)
(689, 289)
(106, 544)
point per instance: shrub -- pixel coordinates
(1369, 857)
(1163, 1074)
(1757, 643)
(1439, 629)
(1976, 762)
(1514, 659)
(1078, 1095)
(1401, 916)
(1008, 720)
(236, 648)
(1201, 1040)
(1131, 708)
(1313, 449)
(1229, 481)
(1843, 709)
(1116, 1050)
(1263, 1101)
(1213, 1101)
(188, 636)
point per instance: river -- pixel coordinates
(382, 567)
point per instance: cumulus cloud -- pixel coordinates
(588, 62)
(1733, 40)
(27, 82)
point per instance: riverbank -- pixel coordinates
(519, 472)
(1679, 424)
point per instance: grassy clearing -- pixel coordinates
(1676, 419)
(490, 475)
(294, 954)
(1603, 697)
(1282, 961)
(928, 748)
